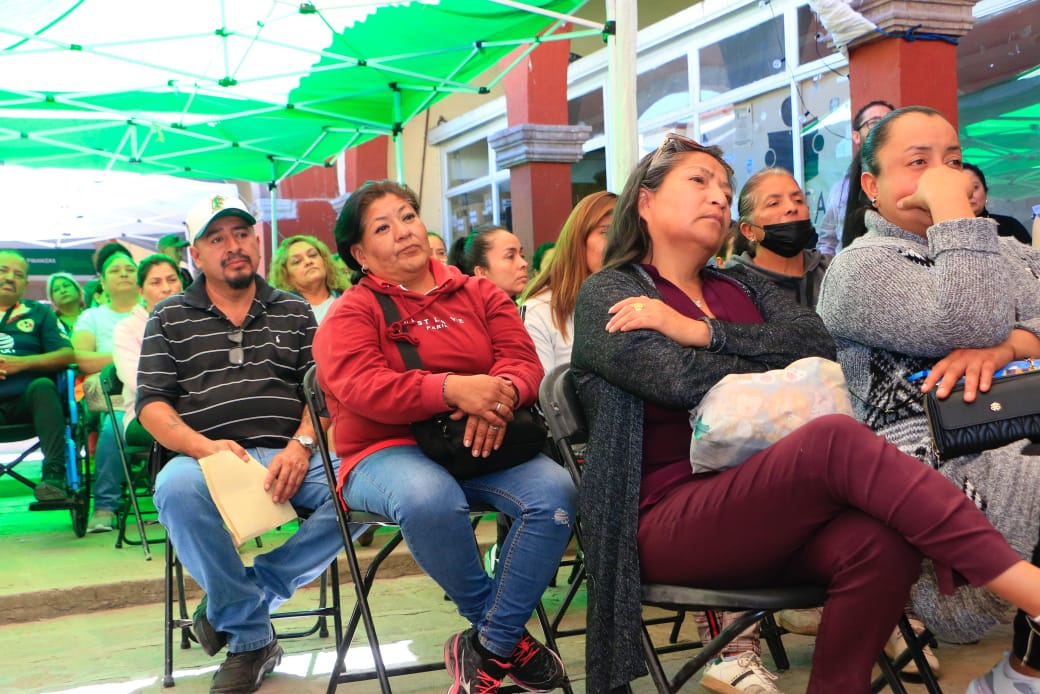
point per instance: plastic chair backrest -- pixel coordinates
(558, 398)
(109, 380)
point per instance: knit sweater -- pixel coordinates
(896, 303)
(615, 373)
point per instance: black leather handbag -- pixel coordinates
(1009, 412)
(440, 437)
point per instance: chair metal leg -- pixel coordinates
(771, 632)
(653, 664)
(173, 572)
(135, 507)
(550, 642)
(890, 668)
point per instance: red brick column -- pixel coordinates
(905, 72)
(536, 94)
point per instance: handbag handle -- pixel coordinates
(391, 315)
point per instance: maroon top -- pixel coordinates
(667, 432)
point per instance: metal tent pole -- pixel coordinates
(621, 127)
(398, 144)
(273, 187)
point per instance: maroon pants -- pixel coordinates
(832, 504)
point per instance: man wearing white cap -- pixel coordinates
(220, 369)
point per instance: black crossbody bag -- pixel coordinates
(1009, 412)
(440, 437)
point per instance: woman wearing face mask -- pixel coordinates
(775, 237)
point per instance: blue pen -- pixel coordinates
(918, 376)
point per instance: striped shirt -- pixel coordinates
(186, 361)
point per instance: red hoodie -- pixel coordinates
(465, 325)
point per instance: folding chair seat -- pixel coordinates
(77, 479)
(134, 460)
(566, 419)
(362, 613)
(328, 605)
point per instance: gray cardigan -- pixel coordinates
(615, 373)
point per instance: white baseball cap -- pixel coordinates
(202, 215)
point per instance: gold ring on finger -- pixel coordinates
(638, 306)
(498, 406)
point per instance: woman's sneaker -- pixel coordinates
(535, 667)
(1003, 680)
(897, 644)
(739, 674)
(472, 672)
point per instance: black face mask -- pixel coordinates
(789, 238)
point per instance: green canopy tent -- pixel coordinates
(243, 89)
(1000, 134)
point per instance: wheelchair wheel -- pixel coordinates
(80, 512)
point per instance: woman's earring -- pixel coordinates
(364, 269)
(873, 202)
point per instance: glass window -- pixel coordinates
(753, 134)
(587, 109)
(813, 37)
(742, 59)
(468, 163)
(469, 210)
(589, 175)
(505, 205)
(826, 138)
(663, 90)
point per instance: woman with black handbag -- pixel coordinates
(415, 340)
(931, 288)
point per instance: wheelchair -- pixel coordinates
(77, 477)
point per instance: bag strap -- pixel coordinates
(391, 315)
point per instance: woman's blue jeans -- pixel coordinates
(432, 508)
(108, 466)
(241, 599)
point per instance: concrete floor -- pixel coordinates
(77, 615)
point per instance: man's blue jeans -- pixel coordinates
(241, 599)
(432, 508)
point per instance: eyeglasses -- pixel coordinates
(675, 142)
(869, 123)
(236, 355)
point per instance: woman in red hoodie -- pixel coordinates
(479, 363)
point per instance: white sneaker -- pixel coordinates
(101, 522)
(1003, 680)
(806, 621)
(739, 674)
(896, 645)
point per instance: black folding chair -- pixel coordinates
(77, 478)
(315, 399)
(566, 419)
(134, 460)
(174, 579)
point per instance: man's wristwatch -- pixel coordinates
(305, 441)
